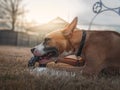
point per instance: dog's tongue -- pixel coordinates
(44, 61)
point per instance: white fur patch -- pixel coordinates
(40, 48)
(65, 53)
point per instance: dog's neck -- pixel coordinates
(75, 41)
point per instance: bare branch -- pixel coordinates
(11, 9)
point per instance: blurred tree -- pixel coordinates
(10, 10)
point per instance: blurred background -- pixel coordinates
(25, 22)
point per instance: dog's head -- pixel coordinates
(56, 43)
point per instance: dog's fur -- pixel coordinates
(101, 49)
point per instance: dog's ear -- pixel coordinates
(70, 28)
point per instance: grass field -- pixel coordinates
(14, 75)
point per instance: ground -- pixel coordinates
(15, 75)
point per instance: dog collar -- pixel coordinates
(82, 43)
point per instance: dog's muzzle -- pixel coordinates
(49, 53)
(52, 51)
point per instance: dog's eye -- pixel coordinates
(46, 40)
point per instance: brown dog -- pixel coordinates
(101, 48)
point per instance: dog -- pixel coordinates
(99, 49)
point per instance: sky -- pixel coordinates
(42, 11)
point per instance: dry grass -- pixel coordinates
(14, 75)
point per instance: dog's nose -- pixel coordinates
(32, 50)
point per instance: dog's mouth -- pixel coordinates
(48, 55)
(45, 58)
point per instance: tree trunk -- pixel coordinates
(13, 24)
(13, 27)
